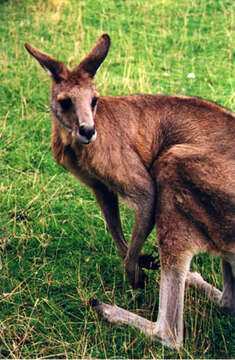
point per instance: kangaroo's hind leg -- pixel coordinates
(228, 296)
(195, 279)
(225, 298)
(176, 243)
(208, 201)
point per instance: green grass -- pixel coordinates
(55, 250)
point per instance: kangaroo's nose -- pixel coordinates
(86, 132)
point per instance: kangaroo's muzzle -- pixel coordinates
(84, 134)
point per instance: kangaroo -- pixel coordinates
(172, 160)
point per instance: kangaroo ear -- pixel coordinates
(95, 58)
(56, 69)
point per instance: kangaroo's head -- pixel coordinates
(73, 95)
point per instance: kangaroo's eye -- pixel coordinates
(65, 103)
(94, 102)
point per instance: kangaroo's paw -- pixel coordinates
(150, 262)
(136, 276)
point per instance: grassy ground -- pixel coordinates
(55, 251)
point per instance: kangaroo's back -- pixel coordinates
(152, 124)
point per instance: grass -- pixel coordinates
(55, 251)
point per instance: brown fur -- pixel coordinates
(172, 159)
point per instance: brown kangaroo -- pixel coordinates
(172, 159)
